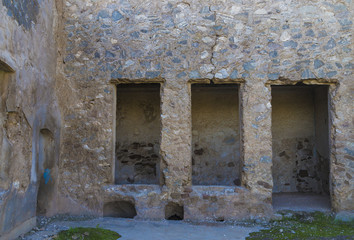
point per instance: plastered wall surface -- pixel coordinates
(28, 55)
(255, 43)
(215, 135)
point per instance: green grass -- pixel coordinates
(82, 233)
(306, 226)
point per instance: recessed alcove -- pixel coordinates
(6, 73)
(174, 211)
(137, 134)
(119, 209)
(45, 171)
(6, 103)
(300, 132)
(215, 134)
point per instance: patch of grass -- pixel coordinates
(306, 226)
(81, 233)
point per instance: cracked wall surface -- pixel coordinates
(254, 43)
(28, 55)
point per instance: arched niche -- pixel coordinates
(46, 171)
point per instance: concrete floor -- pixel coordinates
(178, 230)
(152, 230)
(308, 202)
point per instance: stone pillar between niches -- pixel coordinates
(342, 147)
(256, 143)
(176, 164)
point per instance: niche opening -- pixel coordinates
(215, 134)
(174, 211)
(45, 171)
(300, 131)
(138, 134)
(7, 100)
(119, 209)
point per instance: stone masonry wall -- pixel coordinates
(254, 43)
(28, 55)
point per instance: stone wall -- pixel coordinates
(64, 139)
(28, 55)
(254, 43)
